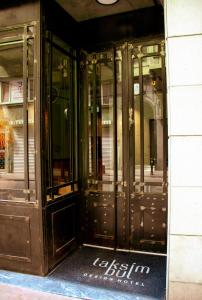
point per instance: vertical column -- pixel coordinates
(184, 81)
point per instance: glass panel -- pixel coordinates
(62, 191)
(61, 119)
(107, 121)
(75, 120)
(150, 49)
(136, 92)
(153, 123)
(11, 123)
(90, 116)
(47, 87)
(31, 121)
(5, 92)
(61, 44)
(119, 115)
(97, 126)
(11, 36)
(100, 120)
(16, 91)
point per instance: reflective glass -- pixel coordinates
(150, 49)
(107, 122)
(11, 36)
(11, 123)
(119, 115)
(153, 123)
(100, 121)
(137, 113)
(75, 107)
(90, 116)
(31, 119)
(61, 118)
(61, 44)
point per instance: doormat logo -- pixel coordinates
(118, 272)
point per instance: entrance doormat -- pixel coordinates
(136, 274)
(99, 274)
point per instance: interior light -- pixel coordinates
(107, 2)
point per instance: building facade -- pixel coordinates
(100, 136)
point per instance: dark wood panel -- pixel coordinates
(15, 237)
(61, 221)
(63, 228)
(21, 238)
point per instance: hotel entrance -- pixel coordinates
(83, 135)
(126, 186)
(83, 149)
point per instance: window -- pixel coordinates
(60, 120)
(17, 144)
(12, 91)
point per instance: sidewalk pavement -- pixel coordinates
(11, 292)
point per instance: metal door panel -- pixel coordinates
(148, 222)
(100, 217)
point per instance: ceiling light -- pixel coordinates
(107, 2)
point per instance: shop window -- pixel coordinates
(60, 120)
(17, 144)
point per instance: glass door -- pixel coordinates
(100, 200)
(147, 147)
(126, 199)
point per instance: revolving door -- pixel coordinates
(126, 182)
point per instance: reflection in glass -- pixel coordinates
(146, 139)
(75, 106)
(106, 82)
(5, 97)
(90, 116)
(119, 115)
(136, 91)
(61, 119)
(100, 121)
(31, 121)
(150, 49)
(47, 127)
(15, 35)
(153, 122)
(11, 123)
